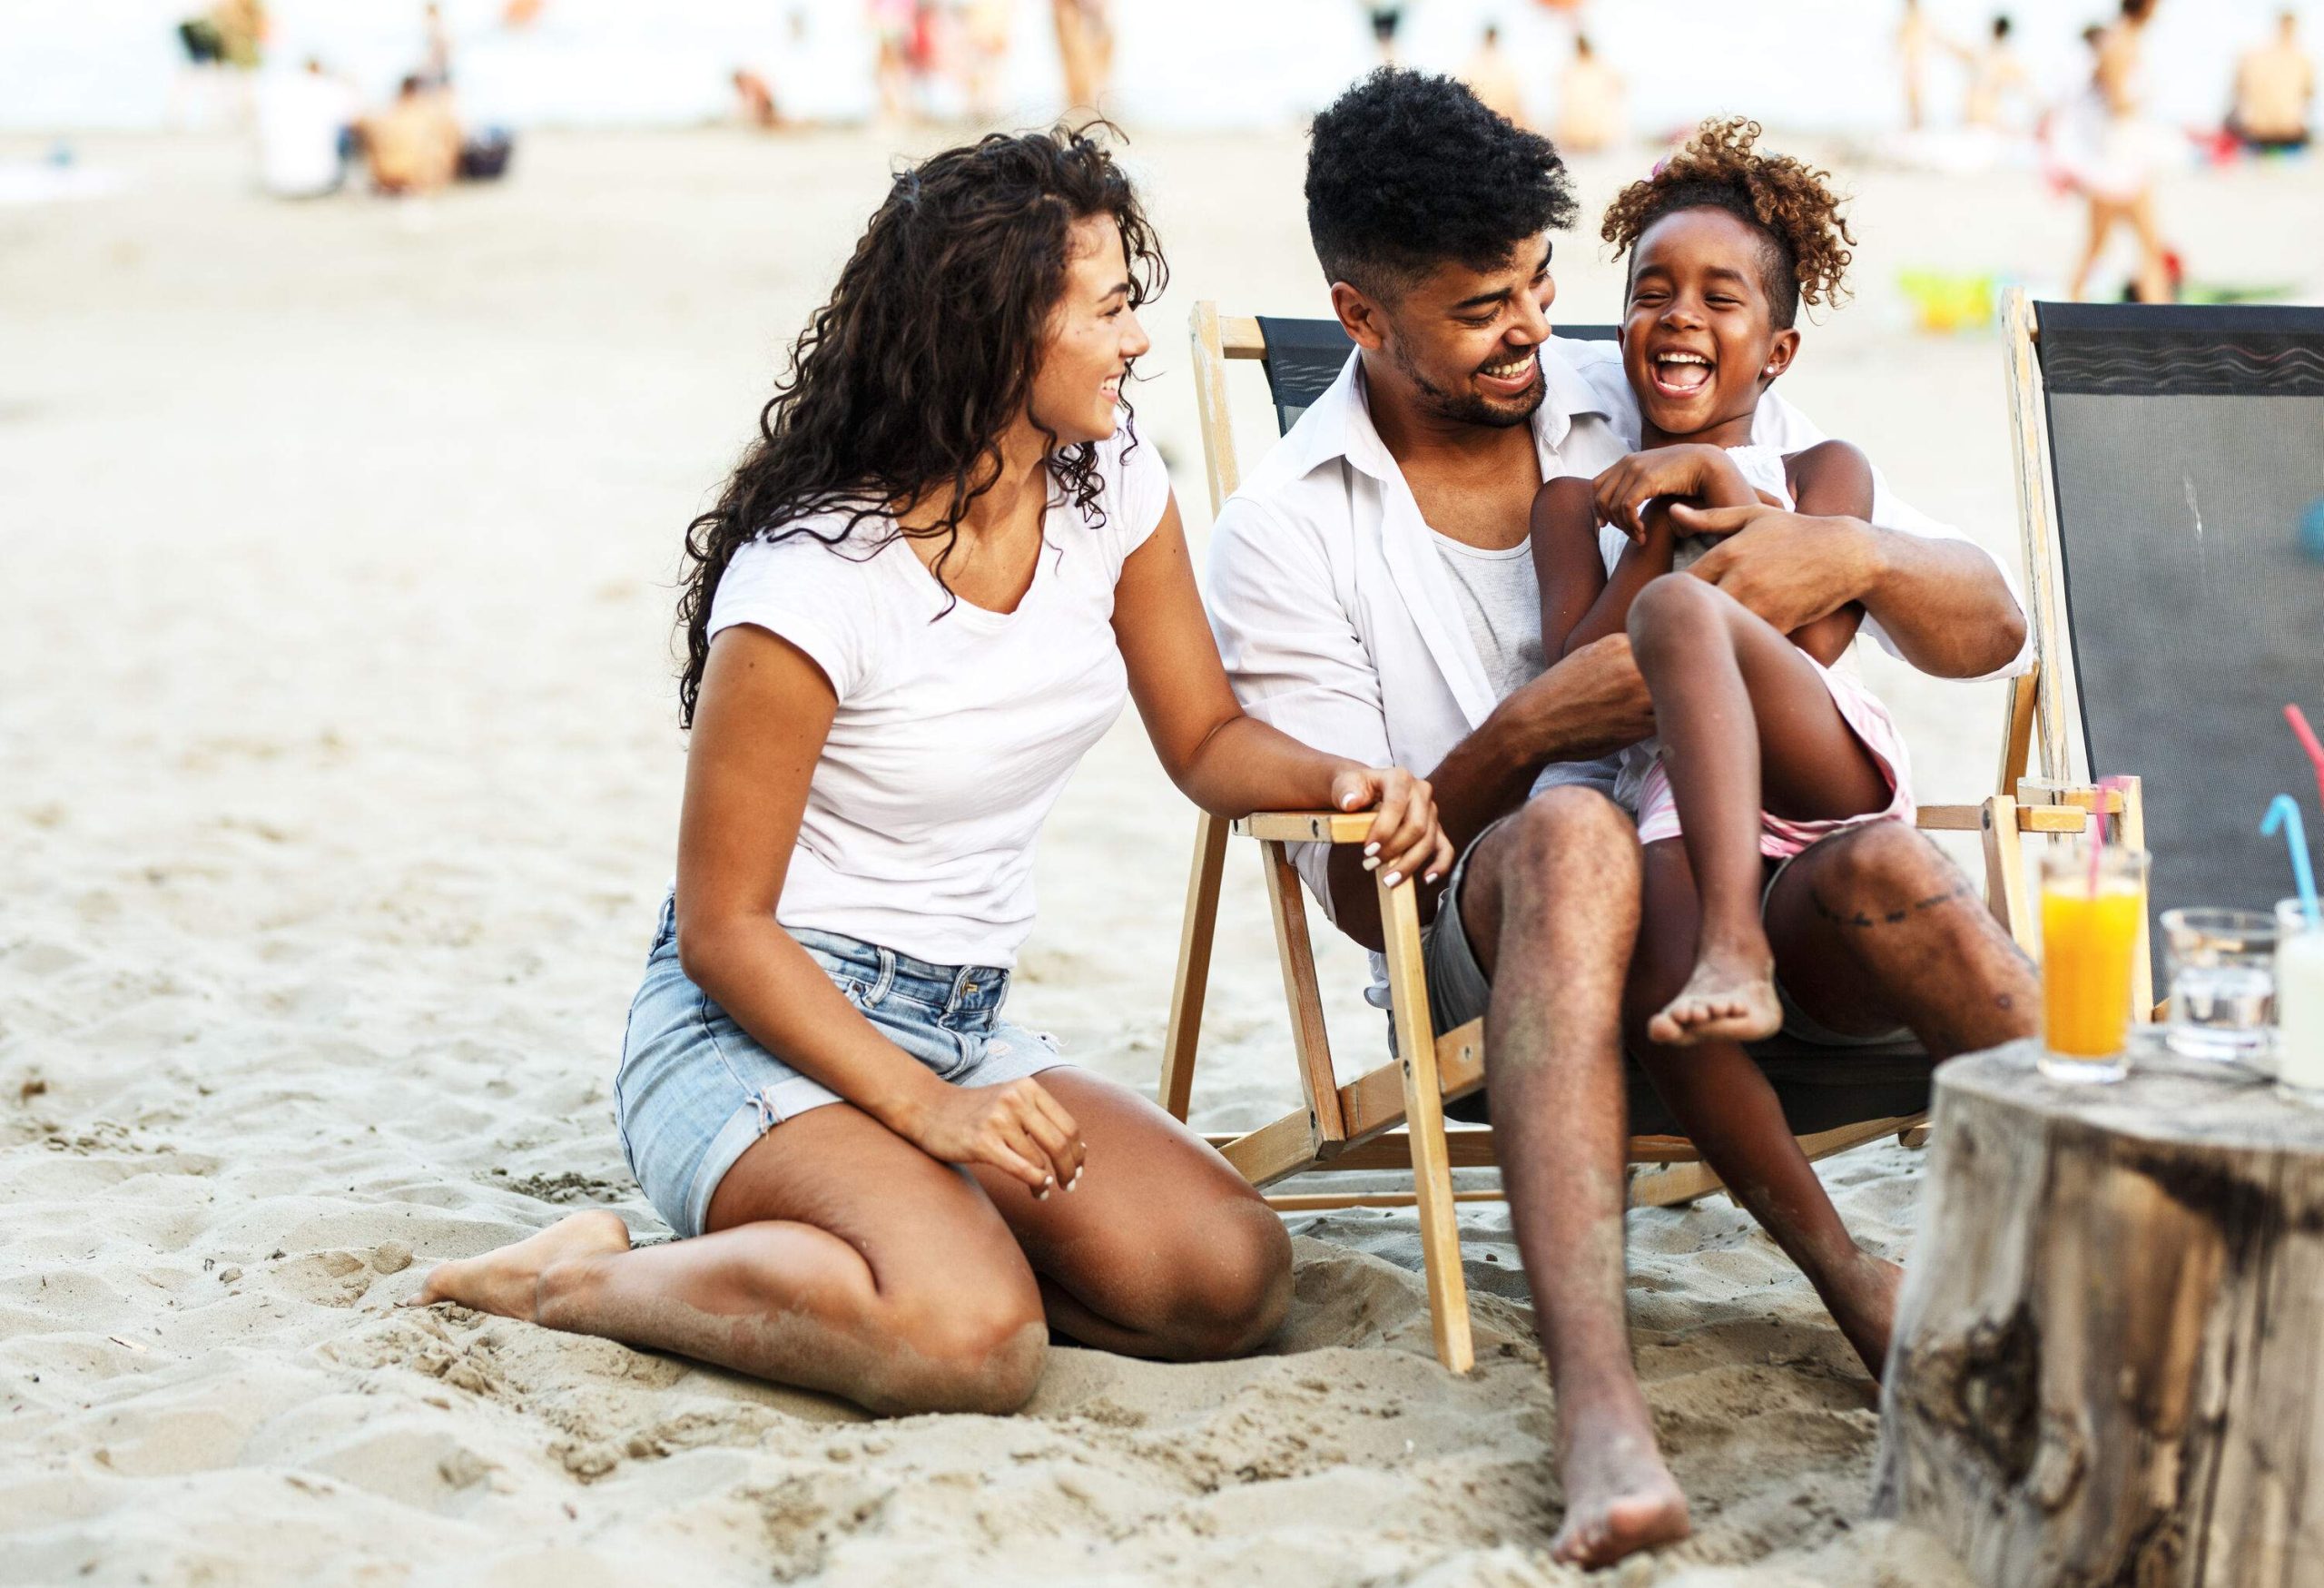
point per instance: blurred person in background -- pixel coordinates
(1916, 40)
(1386, 22)
(1591, 114)
(986, 27)
(2104, 148)
(1996, 78)
(1492, 77)
(892, 25)
(2275, 88)
(756, 100)
(413, 145)
(1085, 48)
(306, 120)
(436, 50)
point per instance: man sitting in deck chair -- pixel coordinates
(1371, 588)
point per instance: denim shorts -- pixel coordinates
(694, 1090)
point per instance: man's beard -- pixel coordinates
(1465, 407)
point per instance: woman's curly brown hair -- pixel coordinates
(1792, 205)
(903, 383)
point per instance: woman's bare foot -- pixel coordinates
(1862, 1296)
(1618, 1496)
(507, 1281)
(1730, 997)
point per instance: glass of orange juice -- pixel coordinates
(2090, 930)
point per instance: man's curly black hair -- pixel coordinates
(1406, 170)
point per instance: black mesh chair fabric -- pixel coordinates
(2188, 448)
(1305, 356)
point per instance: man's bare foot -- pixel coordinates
(1863, 1301)
(506, 1282)
(1618, 1496)
(1729, 998)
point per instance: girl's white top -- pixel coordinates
(955, 732)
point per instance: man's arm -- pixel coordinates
(1591, 702)
(1943, 604)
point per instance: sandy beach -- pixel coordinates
(341, 782)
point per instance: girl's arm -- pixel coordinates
(759, 729)
(1830, 480)
(1631, 496)
(1230, 764)
(1570, 568)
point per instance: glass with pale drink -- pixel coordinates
(2300, 1003)
(2090, 930)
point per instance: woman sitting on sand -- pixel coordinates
(923, 595)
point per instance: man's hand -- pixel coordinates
(1788, 567)
(1593, 702)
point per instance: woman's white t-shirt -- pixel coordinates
(954, 734)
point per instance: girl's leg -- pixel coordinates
(1727, 1108)
(1160, 1250)
(839, 1257)
(1746, 722)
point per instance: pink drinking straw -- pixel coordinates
(2298, 721)
(2098, 814)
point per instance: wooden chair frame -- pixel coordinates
(1392, 1117)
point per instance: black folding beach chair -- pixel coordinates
(2171, 470)
(1393, 1116)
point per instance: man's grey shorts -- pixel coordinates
(1458, 989)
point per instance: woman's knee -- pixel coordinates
(1226, 1287)
(974, 1348)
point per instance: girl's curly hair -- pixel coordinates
(1792, 206)
(903, 384)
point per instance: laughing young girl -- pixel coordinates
(1763, 748)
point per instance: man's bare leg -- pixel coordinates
(1549, 900)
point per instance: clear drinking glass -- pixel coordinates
(2222, 966)
(2090, 911)
(2300, 1003)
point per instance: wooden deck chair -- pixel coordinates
(1394, 1116)
(2171, 481)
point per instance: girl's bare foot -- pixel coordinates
(1862, 1296)
(507, 1281)
(1730, 997)
(1618, 1496)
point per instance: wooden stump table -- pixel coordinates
(2109, 1355)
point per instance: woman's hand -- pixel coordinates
(1621, 495)
(1405, 840)
(1016, 1127)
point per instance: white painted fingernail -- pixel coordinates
(1074, 1184)
(1372, 864)
(1391, 879)
(1432, 877)
(1371, 848)
(1041, 1196)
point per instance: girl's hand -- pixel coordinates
(1621, 495)
(1405, 841)
(1016, 1127)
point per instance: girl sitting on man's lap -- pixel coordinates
(1763, 748)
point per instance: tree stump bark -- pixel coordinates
(2109, 1349)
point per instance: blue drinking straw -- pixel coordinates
(2283, 812)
